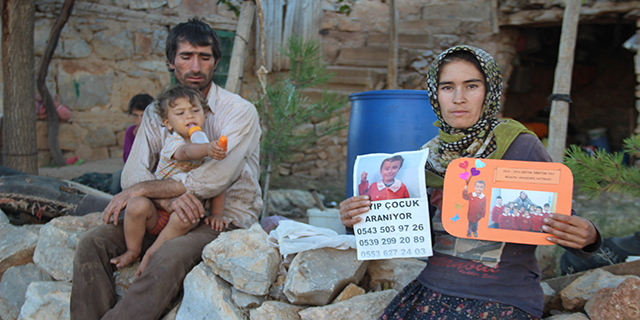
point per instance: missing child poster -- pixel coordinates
(397, 224)
(504, 200)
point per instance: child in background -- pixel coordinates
(137, 105)
(477, 204)
(180, 108)
(496, 212)
(547, 209)
(536, 220)
(524, 222)
(504, 222)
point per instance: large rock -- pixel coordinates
(46, 301)
(275, 310)
(206, 296)
(290, 203)
(245, 300)
(3, 217)
(349, 292)
(622, 302)
(393, 273)
(16, 246)
(113, 46)
(364, 307)
(85, 84)
(14, 286)
(124, 278)
(578, 292)
(57, 244)
(317, 276)
(243, 258)
(548, 292)
(102, 137)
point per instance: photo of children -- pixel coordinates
(523, 213)
(388, 176)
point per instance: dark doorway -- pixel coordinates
(603, 83)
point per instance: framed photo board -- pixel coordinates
(503, 200)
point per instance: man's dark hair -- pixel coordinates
(139, 102)
(196, 32)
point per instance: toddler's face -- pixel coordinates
(182, 116)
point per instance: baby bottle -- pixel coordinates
(197, 136)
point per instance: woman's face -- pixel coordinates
(461, 92)
(523, 195)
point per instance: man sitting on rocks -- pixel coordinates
(193, 51)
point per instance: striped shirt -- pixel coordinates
(238, 173)
(168, 166)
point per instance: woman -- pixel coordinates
(502, 281)
(524, 200)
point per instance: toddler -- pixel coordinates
(180, 108)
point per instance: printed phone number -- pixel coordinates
(390, 241)
(393, 253)
(390, 229)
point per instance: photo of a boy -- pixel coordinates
(388, 187)
(496, 212)
(477, 203)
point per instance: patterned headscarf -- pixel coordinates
(479, 140)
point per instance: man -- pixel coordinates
(193, 51)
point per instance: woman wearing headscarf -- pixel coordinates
(524, 200)
(494, 279)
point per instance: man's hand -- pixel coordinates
(188, 208)
(570, 231)
(118, 203)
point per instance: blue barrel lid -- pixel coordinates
(390, 94)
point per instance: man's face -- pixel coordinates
(194, 65)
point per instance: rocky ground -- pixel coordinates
(242, 277)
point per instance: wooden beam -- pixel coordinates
(392, 66)
(559, 118)
(239, 53)
(495, 25)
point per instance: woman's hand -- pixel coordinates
(571, 231)
(351, 208)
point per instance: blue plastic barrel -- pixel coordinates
(387, 121)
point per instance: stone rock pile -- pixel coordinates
(241, 277)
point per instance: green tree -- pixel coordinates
(284, 109)
(605, 171)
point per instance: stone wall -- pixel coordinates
(111, 50)
(108, 52)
